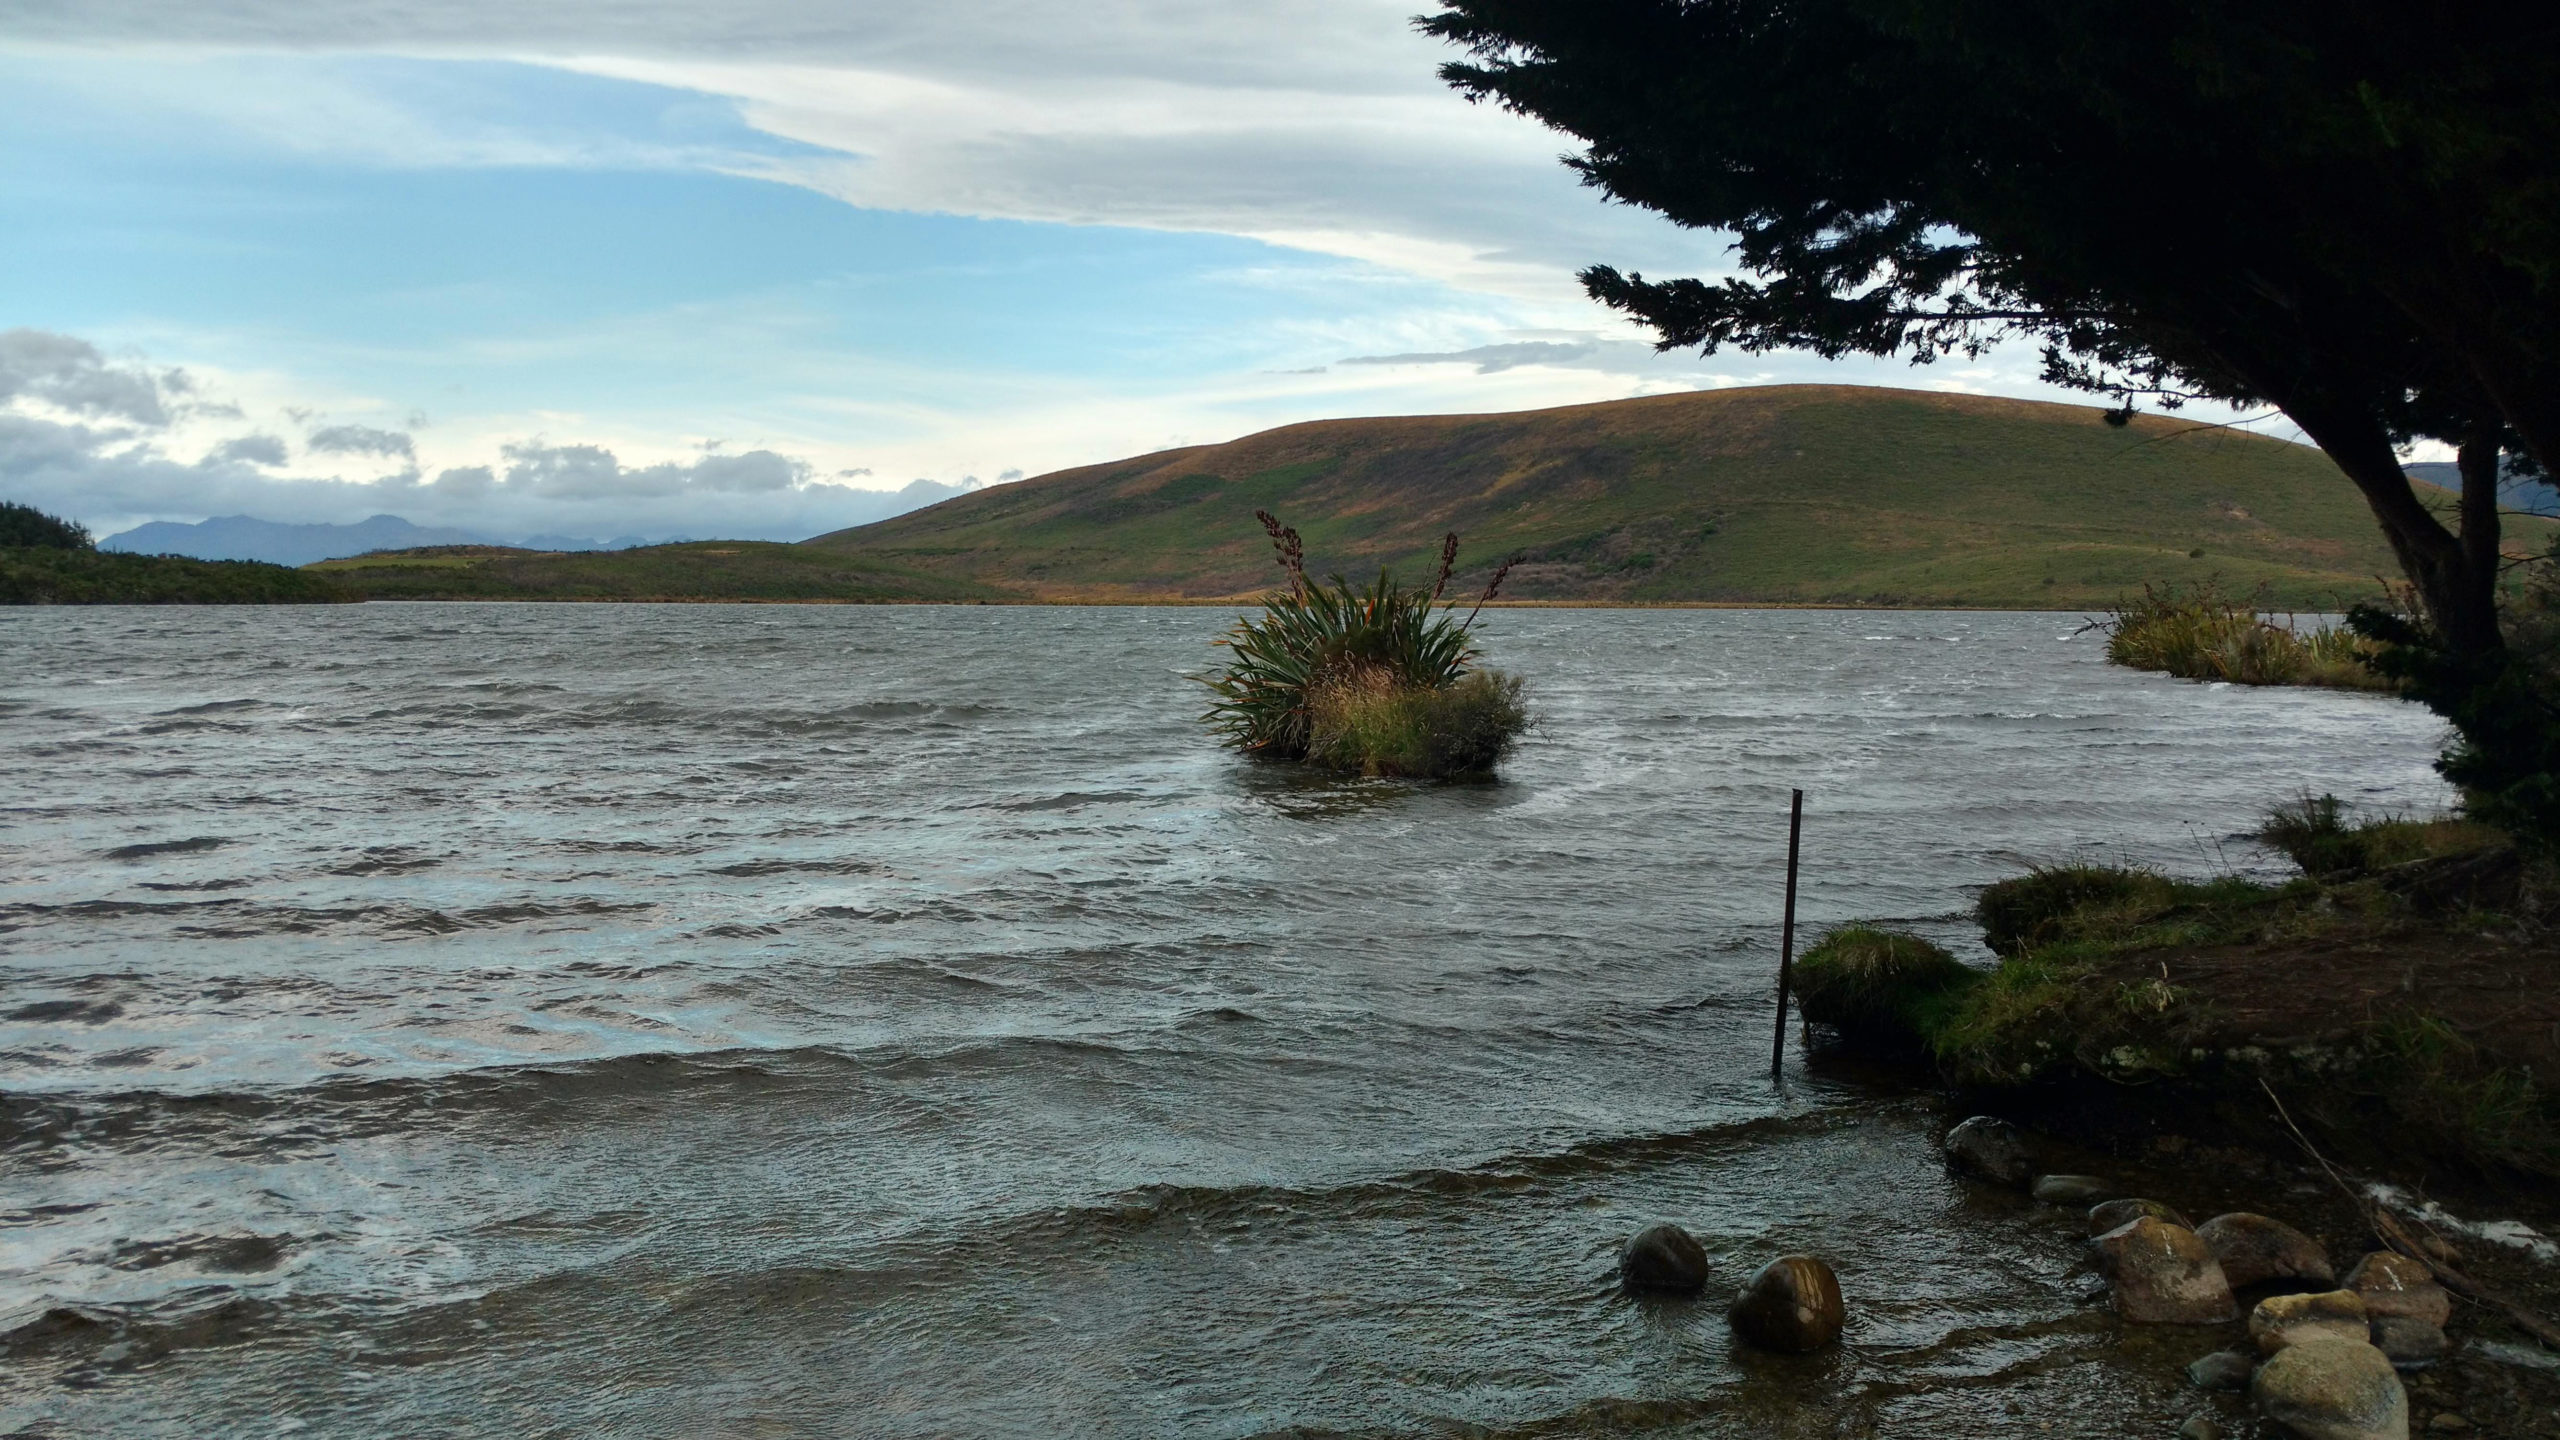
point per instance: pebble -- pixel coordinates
(2411, 1342)
(2255, 1250)
(1992, 1149)
(2222, 1370)
(2282, 1320)
(1666, 1258)
(1793, 1305)
(2449, 1421)
(2394, 1284)
(2164, 1276)
(2071, 1189)
(2106, 1217)
(2327, 1389)
(2201, 1426)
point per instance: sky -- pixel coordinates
(641, 267)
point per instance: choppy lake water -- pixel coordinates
(758, 1021)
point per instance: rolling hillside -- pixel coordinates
(1823, 494)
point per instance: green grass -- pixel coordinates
(2313, 832)
(745, 570)
(2198, 634)
(1784, 494)
(1378, 727)
(1880, 988)
(54, 575)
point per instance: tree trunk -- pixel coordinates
(2455, 577)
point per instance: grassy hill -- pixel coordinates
(58, 575)
(1797, 493)
(699, 570)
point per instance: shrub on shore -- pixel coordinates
(2202, 635)
(1378, 680)
(2313, 831)
(1880, 988)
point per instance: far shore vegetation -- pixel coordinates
(1372, 680)
(46, 560)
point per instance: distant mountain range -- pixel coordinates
(244, 537)
(2523, 494)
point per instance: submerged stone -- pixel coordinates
(2255, 1250)
(2201, 1426)
(2163, 1275)
(2282, 1320)
(2106, 1217)
(1665, 1258)
(2071, 1189)
(2222, 1370)
(2393, 1284)
(2328, 1389)
(1992, 1149)
(1792, 1305)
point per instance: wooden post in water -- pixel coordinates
(1787, 938)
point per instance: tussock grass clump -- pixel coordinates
(2202, 635)
(2314, 832)
(1880, 988)
(1379, 680)
(2037, 908)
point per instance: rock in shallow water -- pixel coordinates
(1991, 1149)
(2332, 1390)
(2255, 1250)
(2282, 1320)
(2409, 1341)
(2164, 1276)
(2394, 1284)
(2103, 1218)
(1793, 1305)
(2071, 1189)
(1665, 1258)
(2201, 1426)
(2222, 1370)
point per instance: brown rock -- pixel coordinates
(2164, 1275)
(1793, 1305)
(2106, 1217)
(1989, 1148)
(2281, 1320)
(1665, 1257)
(2070, 1189)
(2328, 1389)
(2394, 1284)
(2254, 1250)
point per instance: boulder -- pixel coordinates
(1990, 1149)
(2410, 1342)
(2074, 1190)
(2394, 1284)
(2327, 1389)
(2282, 1320)
(1793, 1305)
(2106, 1217)
(2164, 1276)
(2222, 1370)
(1666, 1258)
(2255, 1250)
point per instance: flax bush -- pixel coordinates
(1378, 679)
(2202, 635)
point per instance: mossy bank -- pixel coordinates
(2399, 1001)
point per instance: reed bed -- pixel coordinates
(2203, 635)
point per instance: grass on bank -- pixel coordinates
(2207, 987)
(2200, 634)
(740, 570)
(1378, 680)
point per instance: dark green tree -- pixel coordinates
(2348, 210)
(25, 525)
